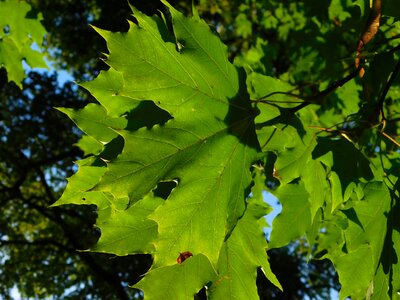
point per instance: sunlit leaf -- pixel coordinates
(18, 33)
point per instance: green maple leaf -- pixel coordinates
(364, 237)
(106, 88)
(295, 218)
(128, 231)
(198, 133)
(79, 185)
(173, 139)
(354, 242)
(17, 33)
(241, 255)
(207, 147)
(95, 122)
(180, 281)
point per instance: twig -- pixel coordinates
(386, 90)
(309, 100)
(390, 138)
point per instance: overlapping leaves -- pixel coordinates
(173, 140)
(331, 193)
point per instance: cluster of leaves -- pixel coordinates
(126, 201)
(19, 31)
(180, 137)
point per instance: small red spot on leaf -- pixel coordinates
(183, 256)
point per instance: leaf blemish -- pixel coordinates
(183, 256)
(165, 188)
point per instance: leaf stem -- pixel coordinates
(315, 99)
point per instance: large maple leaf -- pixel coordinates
(193, 146)
(208, 145)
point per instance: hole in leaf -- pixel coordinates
(183, 256)
(113, 148)
(6, 30)
(165, 188)
(320, 254)
(352, 216)
(154, 115)
(271, 174)
(202, 294)
(295, 181)
(98, 163)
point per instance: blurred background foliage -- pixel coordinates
(308, 44)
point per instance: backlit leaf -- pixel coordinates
(17, 34)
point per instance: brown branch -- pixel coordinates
(368, 34)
